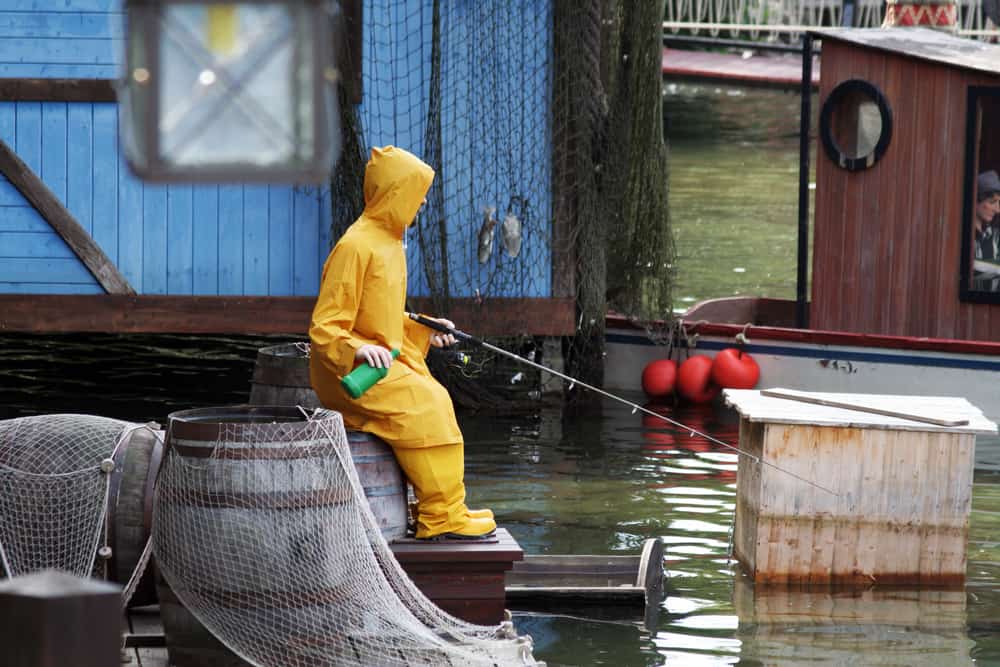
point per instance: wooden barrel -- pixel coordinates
(256, 478)
(281, 377)
(189, 643)
(130, 509)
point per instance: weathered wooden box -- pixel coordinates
(895, 497)
(466, 579)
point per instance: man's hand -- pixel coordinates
(376, 356)
(439, 339)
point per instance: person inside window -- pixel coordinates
(986, 230)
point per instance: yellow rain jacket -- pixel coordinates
(362, 299)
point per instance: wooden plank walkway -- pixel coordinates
(145, 621)
(759, 69)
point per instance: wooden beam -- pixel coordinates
(62, 221)
(507, 317)
(58, 313)
(57, 90)
(290, 315)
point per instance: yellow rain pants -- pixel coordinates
(440, 493)
(361, 301)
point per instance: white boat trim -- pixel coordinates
(820, 366)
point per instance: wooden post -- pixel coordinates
(52, 618)
(62, 221)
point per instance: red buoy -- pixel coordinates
(694, 379)
(735, 369)
(658, 378)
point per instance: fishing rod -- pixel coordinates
(479, 342)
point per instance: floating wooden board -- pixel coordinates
(756, 406)
(803, 397)
(583, 579)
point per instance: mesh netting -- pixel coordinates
(264, 534)
(54, 477)
(543, 121)
(479, 116)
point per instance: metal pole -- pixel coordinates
(802, 273)
(847, 16)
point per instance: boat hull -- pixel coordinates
(828, 361)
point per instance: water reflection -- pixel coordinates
(734, 166)
(611, 478)
(886, 627)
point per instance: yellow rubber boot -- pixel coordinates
(481, 514)
(437, 475)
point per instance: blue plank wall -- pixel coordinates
(272, 240)
(178, 239)
(495, 136)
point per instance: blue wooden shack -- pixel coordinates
(86, 246)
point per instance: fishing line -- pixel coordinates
(461, 335)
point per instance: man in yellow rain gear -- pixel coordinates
(359, 317)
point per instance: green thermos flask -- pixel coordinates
(363, 377)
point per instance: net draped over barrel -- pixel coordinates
(262, 530)
(73, 488)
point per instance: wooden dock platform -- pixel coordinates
(478, 580)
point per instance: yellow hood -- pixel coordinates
(396, 183)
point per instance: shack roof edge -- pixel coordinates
(922, 43)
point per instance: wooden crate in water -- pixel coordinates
(833, 495)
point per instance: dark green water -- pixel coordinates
(603, 481)
(734, 165)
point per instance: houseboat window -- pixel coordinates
(981, 210)
(855, 125)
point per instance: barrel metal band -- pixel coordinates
(253, 453)
(155, 459)
(110, 515)
(271, 599)
(273, 500)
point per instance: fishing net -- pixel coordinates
(543, 122)
(55, 476)
(262, 530)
